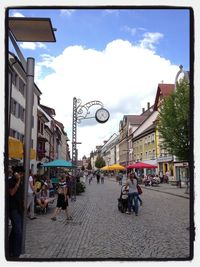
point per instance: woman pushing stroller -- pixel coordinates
(133, 193)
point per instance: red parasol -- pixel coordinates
(141, 165)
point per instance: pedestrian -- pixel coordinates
(90, 177)
(42, 197)
(68, 185)
(31, 197)
(98, 177)
(120, 177)
(62, 200)
(161, 177)
(139, 192)
(102, 177)
(16, 210)
(132, 194)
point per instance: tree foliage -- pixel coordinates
(100, 162)
(174, 125)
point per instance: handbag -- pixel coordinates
(139, 189)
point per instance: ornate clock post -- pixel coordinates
(81, 112)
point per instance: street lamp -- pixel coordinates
(28, 30)
(181, 72)
(81, 112)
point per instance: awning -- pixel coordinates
(59, 163)
(15, 149)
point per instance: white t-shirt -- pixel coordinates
(132, 186)
(30, 179)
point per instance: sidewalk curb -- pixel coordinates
(158, 190)
(169, 193)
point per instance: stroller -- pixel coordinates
(123, 200)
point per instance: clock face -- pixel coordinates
(102, 115)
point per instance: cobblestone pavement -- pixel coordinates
(100, 231)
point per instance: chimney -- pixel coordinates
(143, 110)
(148, 105)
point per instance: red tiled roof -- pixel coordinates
(165, 90)
(135, 119)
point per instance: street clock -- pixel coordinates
(102, 115)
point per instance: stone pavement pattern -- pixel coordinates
(100, 231)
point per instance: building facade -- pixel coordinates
(17, 100)
(49, 141)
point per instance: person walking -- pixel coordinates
(132, 194)
(102, 177)
(62, 200)
(31, 197)
(90, 177)
(98, 176)
(16, 210)
(120, 177)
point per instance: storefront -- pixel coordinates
(182, 172)
(166, 165)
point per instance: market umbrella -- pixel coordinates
(141, 165)
(105, 168)
(117, 167)
(59, 163)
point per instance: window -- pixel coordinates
(22, 114)
(153, 138)
(32, 121)
(13, 106)
(149, 154)
(12, 133)
(14, 78)
(21, 86)
(18, 109)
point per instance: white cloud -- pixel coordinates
(111, 11)
(67, 12)
(123, 76)
(17, 14)
(130, 30)
(150, 38)
(32, 45)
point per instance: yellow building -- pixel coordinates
(164, 159)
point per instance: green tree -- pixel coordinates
(174, 125)
(100, 162)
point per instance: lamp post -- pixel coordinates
(81, 112)
(28, 30)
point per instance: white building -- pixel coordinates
(17, 98)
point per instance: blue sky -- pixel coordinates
(117, 56)
(94, 28)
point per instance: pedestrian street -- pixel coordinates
(100, 231)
